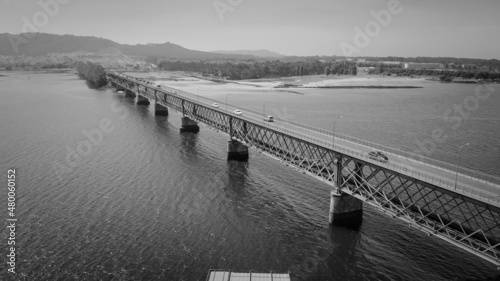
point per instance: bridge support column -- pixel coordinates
(345, 210)
(189, 125)
(142, 100)
(161, 110)
(237, 151)
(129, 93)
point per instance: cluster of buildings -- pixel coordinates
(438, 66)
(415, 65)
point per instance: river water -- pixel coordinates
(146, 202)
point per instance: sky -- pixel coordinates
(451, 28)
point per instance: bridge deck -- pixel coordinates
(482, 190)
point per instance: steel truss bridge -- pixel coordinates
(464, 219)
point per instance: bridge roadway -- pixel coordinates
(417, 193)
(481, 190)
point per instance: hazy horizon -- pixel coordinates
(443, 28)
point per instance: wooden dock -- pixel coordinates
(227, 275)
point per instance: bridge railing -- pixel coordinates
(441, 165)
(412, 157)
(417, 159)
(446, 183)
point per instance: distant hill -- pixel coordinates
(169, 50)
(258, 53)
(41, 44)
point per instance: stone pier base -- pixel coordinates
(188, 125)
(142, 100)
(237, 151)
(161, 110)
(129, 93)
(345, 210)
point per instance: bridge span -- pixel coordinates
(458, 206)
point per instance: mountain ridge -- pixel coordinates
(39, 44)
(264, 53)
(42, 44)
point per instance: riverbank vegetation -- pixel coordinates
(443, 75)
(92, 73)
(448, 62)
(260, 69)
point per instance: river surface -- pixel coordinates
(146, 202)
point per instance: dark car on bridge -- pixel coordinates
(379, 156)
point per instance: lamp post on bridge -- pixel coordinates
(458, 162)
(333, 133)
(264, 111)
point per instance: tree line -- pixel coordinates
(260, 69)
(444, 75)
(92, 73)
(490, 63)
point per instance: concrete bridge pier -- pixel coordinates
(129, 93)
(161, 110)
(188, 125)
(142, 100)
(345, 210)
(236, 151)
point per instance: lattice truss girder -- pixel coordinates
(468, 223)
(310, 158)
(460, 220)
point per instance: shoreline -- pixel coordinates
(297, 85)
(322, 82)
(357, 87)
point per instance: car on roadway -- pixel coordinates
(215, 104)
(159, 86)
(378, 156)
(237, 112)
(269, 119)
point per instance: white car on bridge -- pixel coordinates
(269, 119)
